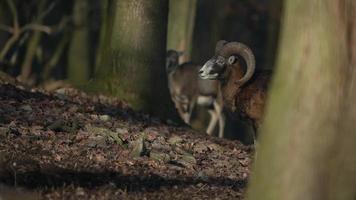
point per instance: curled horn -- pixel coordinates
(237, 48)
(219, 45)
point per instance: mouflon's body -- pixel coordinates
(187, 90)
(244, 93)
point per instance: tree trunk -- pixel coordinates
(103, 63)
(180, 26)
(132, 64)
(308, 140)
(105, 33)
(207, 30)
(56, 56)
(78, 61)
(275, 15)
(4, 19)
(32, 46)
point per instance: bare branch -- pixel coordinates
(36, 27)
(62, 24)
(47, 11)
(15, 31)
(14, 13)
(6, 28)
(8, 45)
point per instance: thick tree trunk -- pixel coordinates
(78, 61)
(132, 64)
(180, 26)
(308, 140)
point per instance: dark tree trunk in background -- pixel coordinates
(207, 29)
(32, 47)
(308, 142)
(78, 60)
(132, 59)
(275, 15)
(105, 34)
(180, 26)
(5, 18)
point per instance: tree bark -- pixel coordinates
(181, 26)
(132, 66)
(78, 61)
(308, 140)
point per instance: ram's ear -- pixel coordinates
(219, 45)
(171, 66)
(172, 60)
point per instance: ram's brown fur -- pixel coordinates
(248, 101)
(242, 94)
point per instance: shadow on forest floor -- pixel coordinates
(150, 182)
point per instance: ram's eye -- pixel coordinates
(220, 61)
(231, 60)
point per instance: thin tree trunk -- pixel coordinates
(5, 19)
(275, 14)
(15, 35)
(308, 140)
(57, 54)
(180, 26)
(104, 35)
(78, 62)
(207, 30)
(132, 65)
(32, 46)
(104, 52)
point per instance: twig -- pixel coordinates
(8, 45)
(36, 27)
(47, 11)
(201, 188)
(16, 32)
(14, 13)
(56, 56)
(32, 46)
(62, 24)
(6, 28)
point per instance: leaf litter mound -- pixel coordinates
(69, 145)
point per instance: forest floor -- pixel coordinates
(69, 145)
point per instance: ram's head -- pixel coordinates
(226, 59)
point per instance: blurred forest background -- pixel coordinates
(53, 43)
(46, 40)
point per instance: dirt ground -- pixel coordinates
(68, 145)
